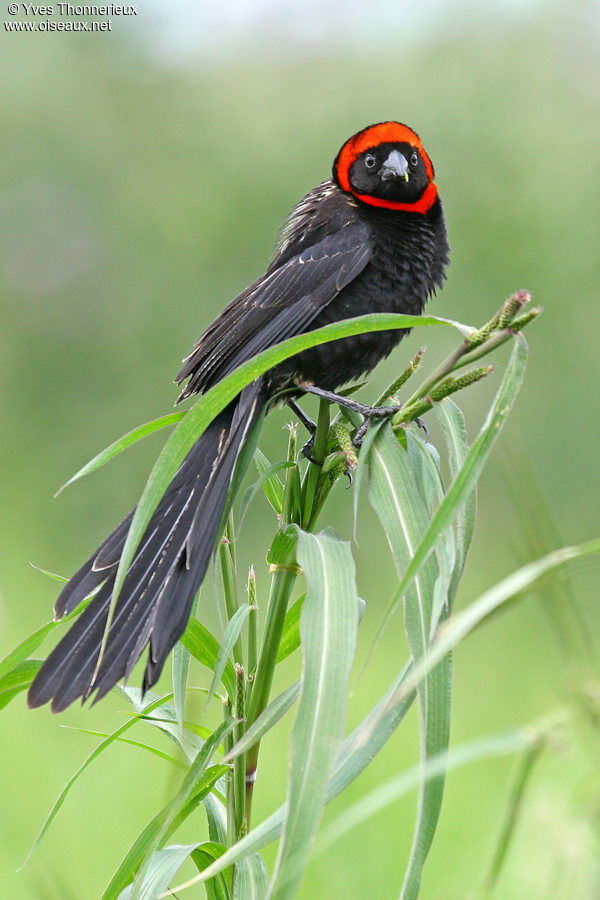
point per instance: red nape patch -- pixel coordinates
(373, 136)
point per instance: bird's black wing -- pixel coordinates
(279, 305)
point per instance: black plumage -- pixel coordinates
(370, 239)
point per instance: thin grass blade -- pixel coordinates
(198, 779)
(453, 424)
(232, 633)
(269, 479)
(145, 840)
(142, 746)
(122, 443)
(328, 628)
(18, 680)
(399, 504)
(467, 477)
(103, 745)
(163, 868)
(391, 790)
(205, 648)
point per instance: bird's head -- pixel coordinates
(386, 165)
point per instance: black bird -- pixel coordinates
(370, 239)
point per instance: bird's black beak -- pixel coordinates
(395, 166)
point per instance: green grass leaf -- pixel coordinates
(142, 746)
(392, 789)
(460, 624)
(181, 668)
(199, 779)
(161, 871)
(466, 479)
(165, 719)
(232, 632)
(400, 506)
(121, 444)
(146, 839)
(452, 421)
(359, 748)
(18, 679)
(329, 624)
(103, 745)
(219, 888)
(31, 643)
(205, 648)
(251, 880)
(269, 479)
(290, 636)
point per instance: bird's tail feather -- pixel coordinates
(157, 595)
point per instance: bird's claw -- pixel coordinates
(307, 452)
(421, 423)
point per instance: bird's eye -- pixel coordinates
(370, 161)
(414, 160)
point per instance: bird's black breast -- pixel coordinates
(408, 258)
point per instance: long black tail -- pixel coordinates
(155, 601)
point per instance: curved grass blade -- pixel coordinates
(126, 872)
(460, 624)
(271, 482)
(426, 467)
(360, 748)
(198, 779)
(466, 479)
(512, 813)
(31, 643)
(453, 424)
(356, 752)
(363, 456)
(387, 793)
(181, 668)
(103, 745)
(215, 400)
(161, 871)
(220, 887)
(399, 504)
(329, 625)
(186, 740)
(122, 443)
(18, 679)
(232, 633)
(205, 648)
(142, 746)
(267, 719)
(268, 480)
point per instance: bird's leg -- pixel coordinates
(368, 412)
(306, 421)
(371, 412)
(310, 427)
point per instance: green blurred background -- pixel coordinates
(144, 175)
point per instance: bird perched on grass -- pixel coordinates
(370, 239)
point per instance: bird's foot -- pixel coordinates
(367, 412)
(307, 451)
